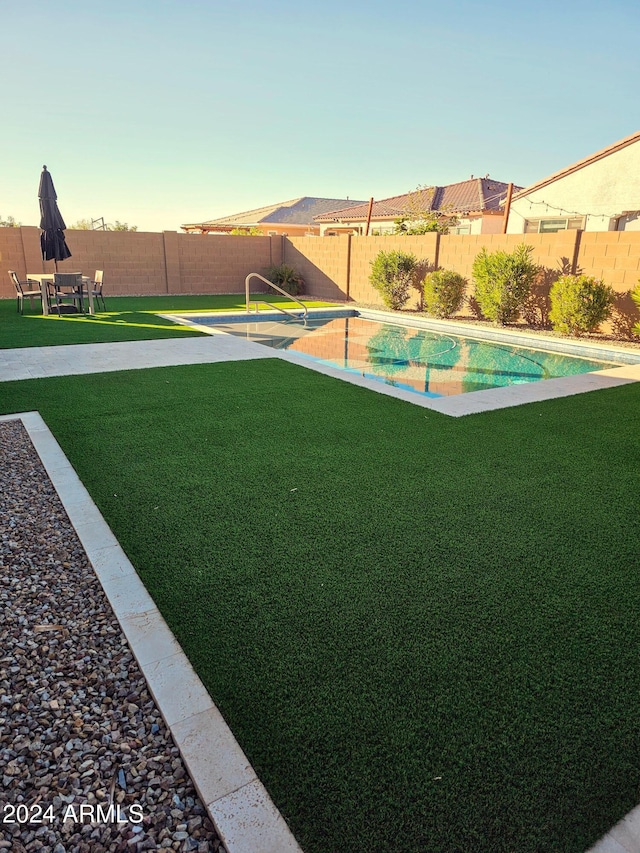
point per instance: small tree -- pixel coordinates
(392, 274)
(443, 292)
(9, 222)
(121, 226)
(579, 303)
(87, 225)
(424, 223)
(503, 281)
(419, 218)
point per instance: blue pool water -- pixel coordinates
(420, 360)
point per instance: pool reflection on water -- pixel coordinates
(419, 360)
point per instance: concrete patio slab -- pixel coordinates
(79, 359)
(623, 838)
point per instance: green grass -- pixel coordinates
(423, 630)
(129, 318)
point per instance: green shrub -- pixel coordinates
(246, 232)
(286, 278)
(579, 303)
(392, 274)
(424, 223)
(443, 292)
(503, 281)
(635, 295)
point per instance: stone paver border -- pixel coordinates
(244, 815)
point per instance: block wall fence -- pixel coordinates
(334, 268)
(144, 264)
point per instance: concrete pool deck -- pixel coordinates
(240, 807)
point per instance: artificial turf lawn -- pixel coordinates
(423, 630)
(128, 318)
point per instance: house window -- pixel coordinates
(550, 226)
(460, 229)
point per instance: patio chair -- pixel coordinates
(21, 292)
(67, 293)
(96, 288)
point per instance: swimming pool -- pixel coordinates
(420, 360)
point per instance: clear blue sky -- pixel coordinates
(159, 112)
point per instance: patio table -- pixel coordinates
(44, 277)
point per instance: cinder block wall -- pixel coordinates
(220, 263)
(610, 255)
(142, 263)
(133, 262)
(322, 263)
(552, 251)
(334, 268)
(11, 258)
(613, 256)
(365, 250)
(339, 267)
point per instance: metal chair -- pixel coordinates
(21, 292)
(67, 293)
(96, 288)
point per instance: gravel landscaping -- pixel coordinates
(86, 762)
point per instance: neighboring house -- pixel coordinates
(293, 218)
(599, 193)
(476, 204)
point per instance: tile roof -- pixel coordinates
(472, 196)
(586, 161)
(297, 211)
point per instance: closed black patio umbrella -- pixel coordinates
(52, 242)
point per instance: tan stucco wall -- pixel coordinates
(602, 190)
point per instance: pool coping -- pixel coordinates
(460, 405)
(238, 804)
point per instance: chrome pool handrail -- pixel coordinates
(264, 301)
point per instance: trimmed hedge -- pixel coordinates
(443, 292)
(392, 274)
(503, 281)
(579, 303)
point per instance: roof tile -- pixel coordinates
(474, 195)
